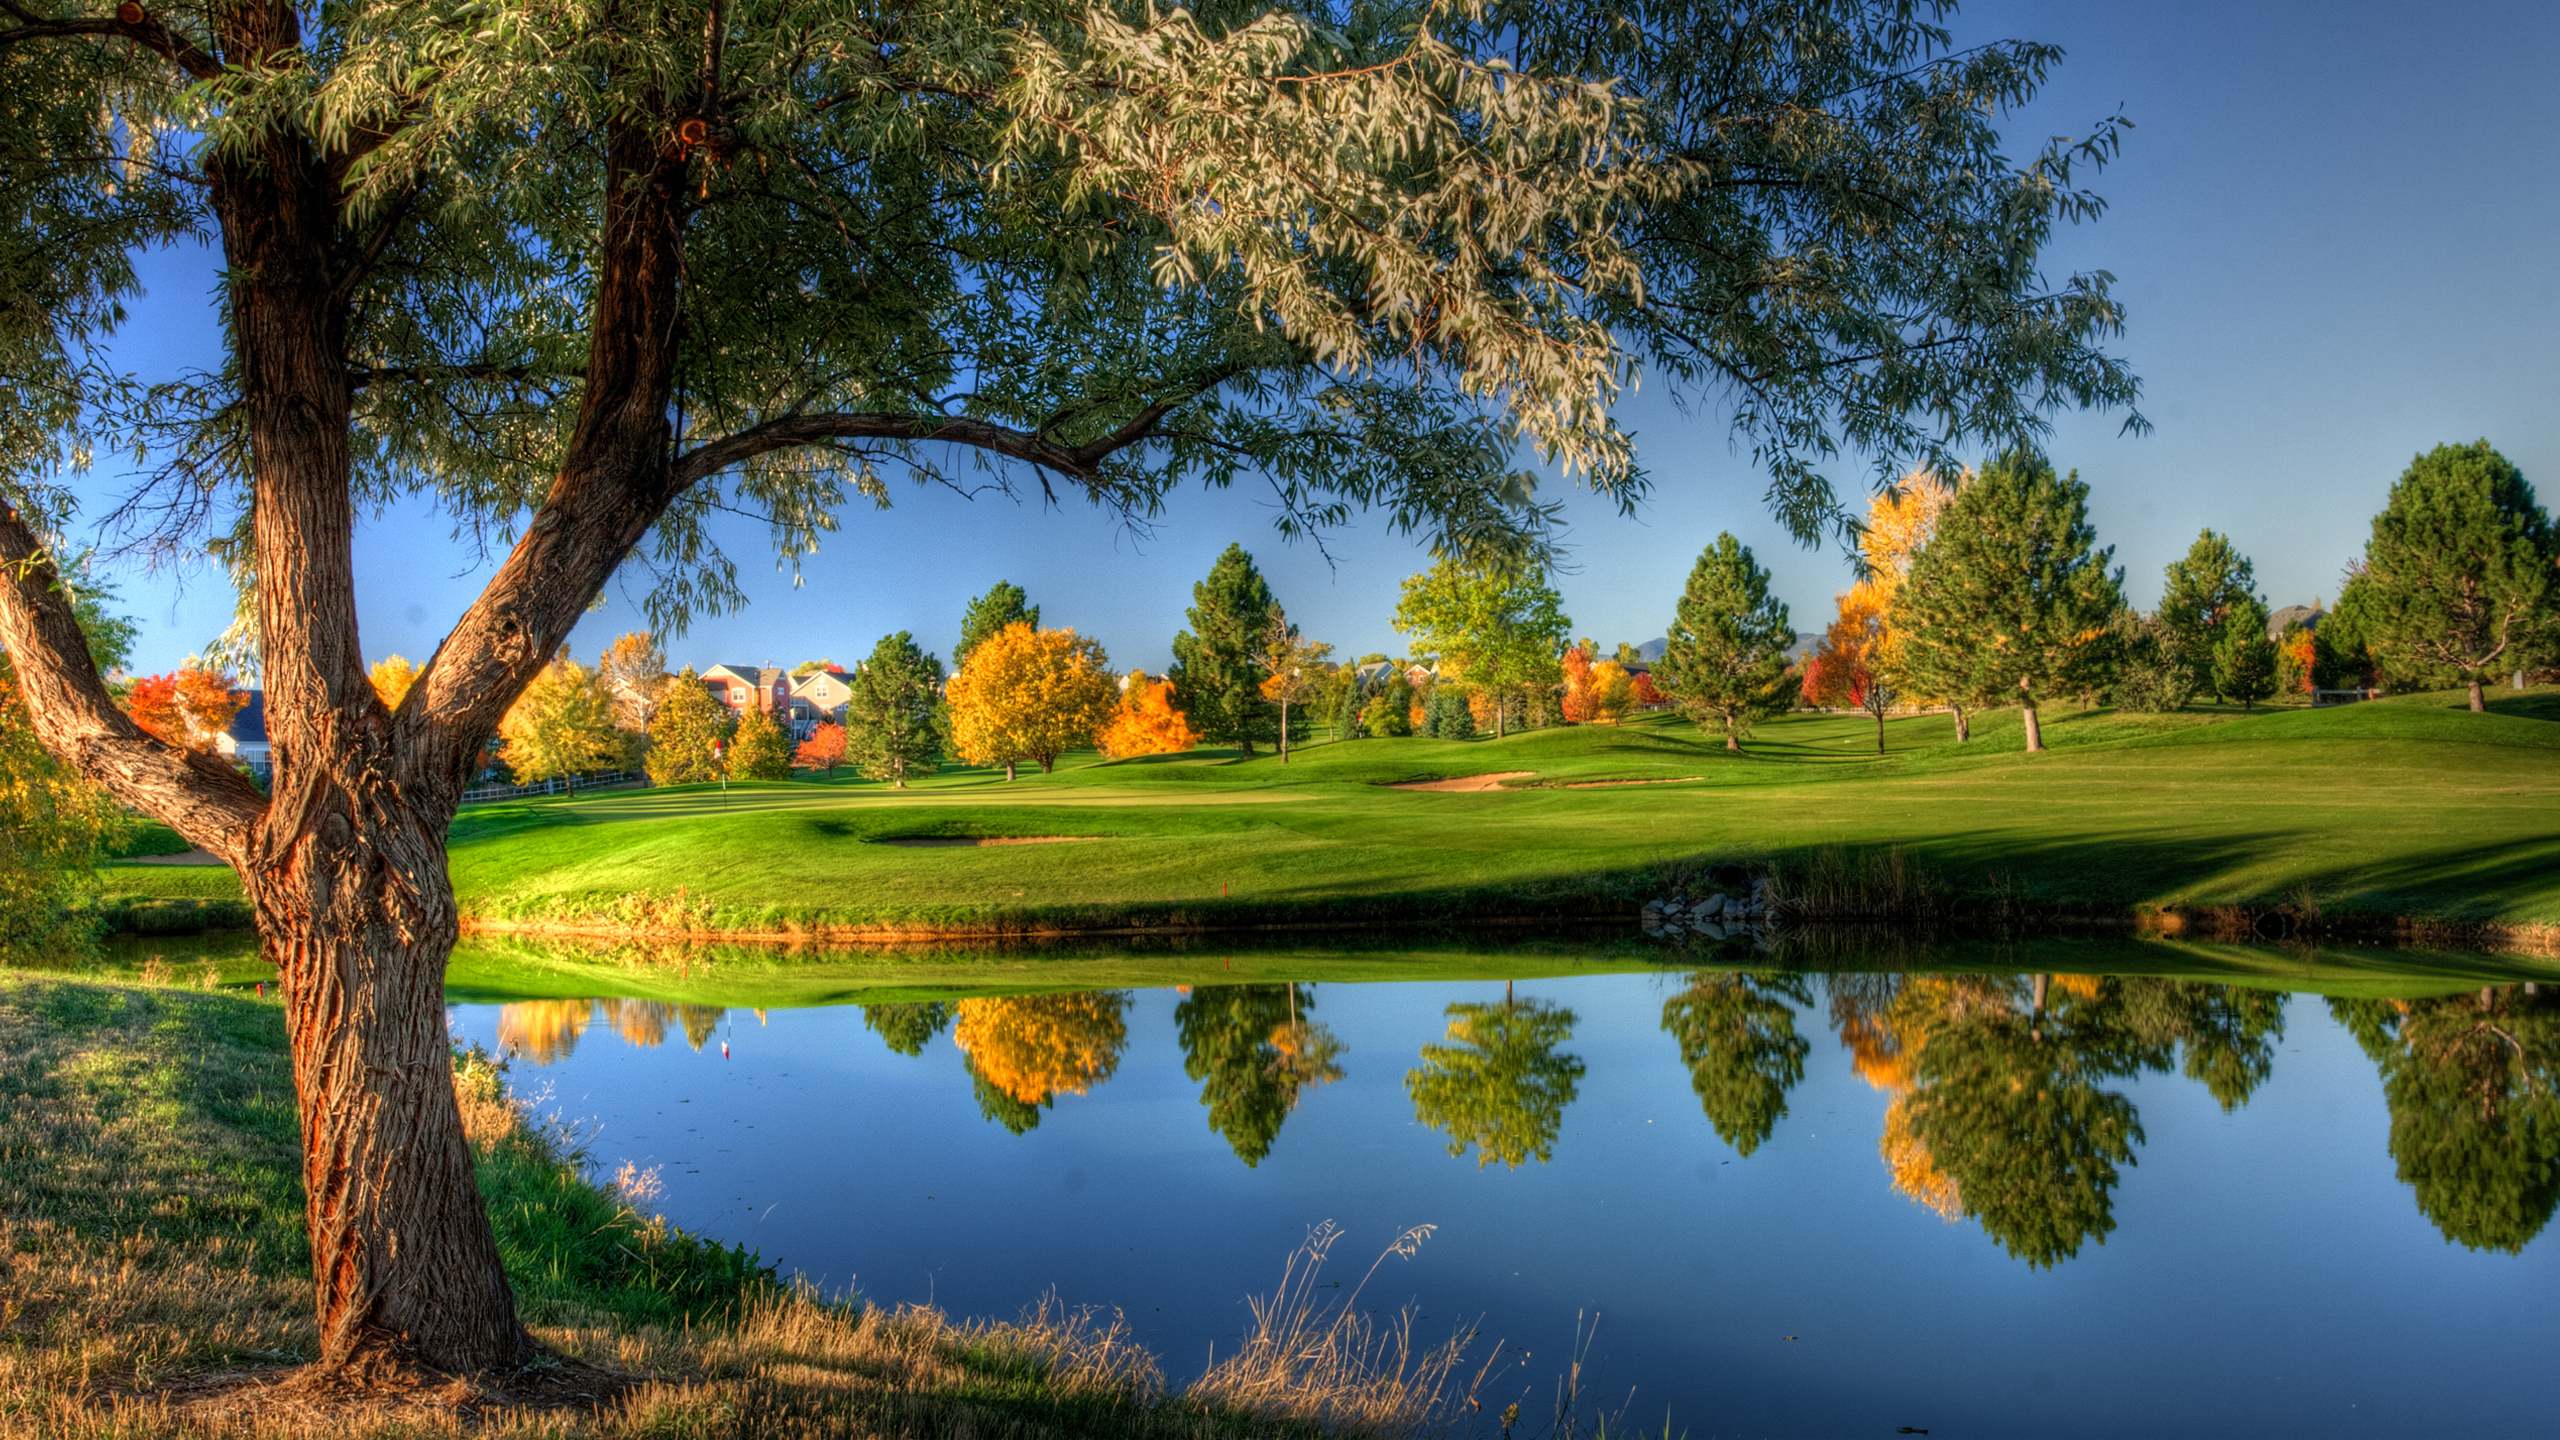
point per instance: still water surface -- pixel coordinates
(1798, 1204)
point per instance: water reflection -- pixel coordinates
(2007, 1098)
(2475, 1128)
(546, 1031)
(1024, 1051)
(1499, 1084)
(1255, 1053)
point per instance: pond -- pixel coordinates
(2076, 1187)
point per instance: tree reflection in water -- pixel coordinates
(1499, 1084)
(1998, 1111)
(547, 1031)
(1026, 1050)
(1737, 1034)
(2475, 1128)
(1255, 1053)
(2001, 1108)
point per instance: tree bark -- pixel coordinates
(2035, 731)
(1732, 738)
(2479, 702)
(1964, 725)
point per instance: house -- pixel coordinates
(245, 739)
(819, 698)
(2306, 616)
(765, 687)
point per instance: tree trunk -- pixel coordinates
(1008, 772)
(359, 930)
(1879, 731)
(1732, 737)
(2035, 731)
(1284, 732)
(2479, 702)
(1964, 726)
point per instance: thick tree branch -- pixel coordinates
(151, 35)
(200, 797)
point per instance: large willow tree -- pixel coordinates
(587, 272)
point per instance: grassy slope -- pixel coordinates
(2408, 806)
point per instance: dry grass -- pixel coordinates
(153, 1284)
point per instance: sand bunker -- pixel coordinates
(1465, 782)
(955, 842)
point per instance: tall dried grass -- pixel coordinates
(1325, 1361)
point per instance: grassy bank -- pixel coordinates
(152, 1252)
(2405, 807)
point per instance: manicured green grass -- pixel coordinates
(2410, 806)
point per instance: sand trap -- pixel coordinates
(183, 857)
(1465, 782)
(1608, 784)
(957, 842)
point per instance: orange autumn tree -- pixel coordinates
(823, 751)
(189, 707)
(1847, 670)
(1027, 694)
(1035, 1048)
(1897, 526)
(1146, 722)
(1580, 705)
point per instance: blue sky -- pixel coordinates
(2333, 227)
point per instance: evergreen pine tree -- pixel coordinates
(1448, 715)
(685, 736)
(2458, 581)
(2011, 597)
(1217, 664)
(2244, 659)
(2197, 595)
(891, 728)
(2152, 677)
(1003, 604)
(1725, 659)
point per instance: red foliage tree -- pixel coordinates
(188, 707)
(823, 751)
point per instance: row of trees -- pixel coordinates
(1992, 590)
(2003, 1100)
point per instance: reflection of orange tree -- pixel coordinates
(2006, 1100)
(1029, 1049)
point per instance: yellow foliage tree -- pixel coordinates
(1035, 1048)
(1897, 526)
(392, 677)
(1029, 694)
(1146, 722)
(560, 726)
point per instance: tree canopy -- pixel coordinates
(1217, 670)
(2012, 596)
(1030, 695)
(1004, 604)
(1499, 628)
(2462, 574)
(891, 729)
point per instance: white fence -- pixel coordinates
(600, 780)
